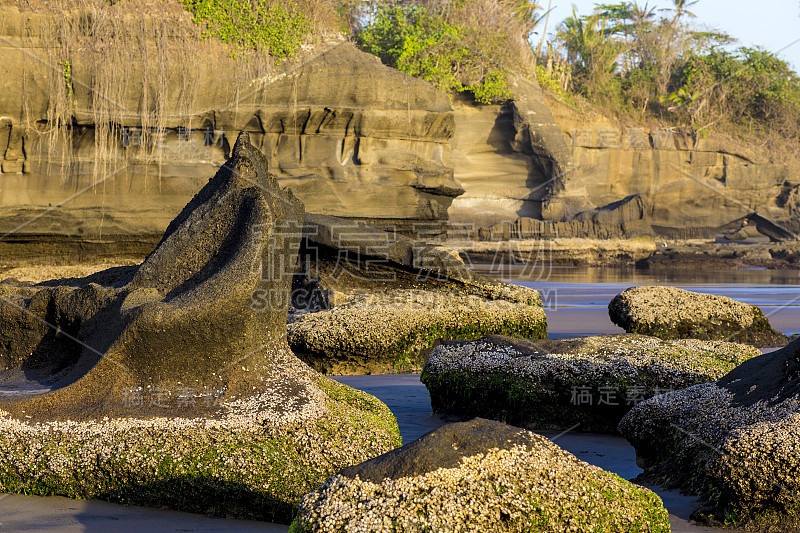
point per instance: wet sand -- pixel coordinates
(35, 514)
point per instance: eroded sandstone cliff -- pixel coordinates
(616, 181)
(351, 137)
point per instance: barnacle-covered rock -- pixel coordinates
(672, 313)
(479, 476)
(368, 300)
(591, 381)
(735, 442)
(163, 384)
(390, 331)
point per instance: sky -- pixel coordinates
(771, 24)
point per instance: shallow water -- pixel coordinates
(576, 298)
(576, 303)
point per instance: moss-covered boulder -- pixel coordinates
(672, 313)
(255, 459)
(389, 332)
(480, 476)
(735, 442)
(164, 384)
(590, 381)
(368, 300)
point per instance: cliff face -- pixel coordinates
(688, 186)
(510, 159)
(613, 181)
(351, 137)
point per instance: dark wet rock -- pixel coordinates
(185, 315)
(723, 256)
(351, 257)
(479, 475)
(735, 442)
(587, 381)
(169, 387)
(383, 299)
(672, 313)
(623, 219)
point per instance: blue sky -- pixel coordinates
(771, 24)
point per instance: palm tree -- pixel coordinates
(642, 15)
(681, 9)
(590, 46)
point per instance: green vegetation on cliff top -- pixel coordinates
(261, 25)
(627, 59)
(466, 46)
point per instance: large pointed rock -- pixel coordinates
(165, 385)
(184, 320)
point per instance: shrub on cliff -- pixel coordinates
(274, 27)
(746, 86)
(634, 63)
(467, 46)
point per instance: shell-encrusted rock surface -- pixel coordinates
(591, 381)
(368, 300)
(161, 384)
(479, 476)
(388, 331)
(252, 458)
(735, 442)
(672, 313)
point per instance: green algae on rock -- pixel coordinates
(672, 313)
(591, 381)
(253, 460)
(734, 442)
(166, 386)
(391, 330)
(479, 476)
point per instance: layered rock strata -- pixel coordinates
(350, 136)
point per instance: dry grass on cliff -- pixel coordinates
(129, 63)
(112, 66)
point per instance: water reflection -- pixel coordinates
(576, 298)
(700, 275)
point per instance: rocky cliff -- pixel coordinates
(142, 122)
(351, 137)
(615, 181)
